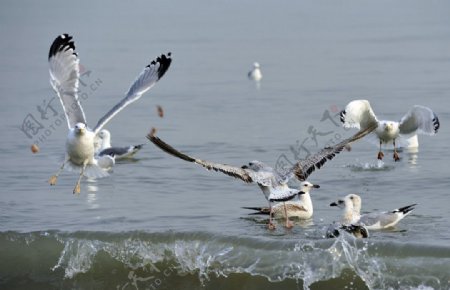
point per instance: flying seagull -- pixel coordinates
(64, 78)
(418, 119)
(351, 205)
(103, 147)
(272, 183)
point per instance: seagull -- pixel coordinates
(305, 205)
(349, 223)
(103, 147)
(271, 182)
(255, 74)
(351, 205)
(64, 78)
(418, 119)
(301, 208)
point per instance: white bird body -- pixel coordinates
(387, 131)
(80, 145)
(255, 74)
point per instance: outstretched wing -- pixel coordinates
(421, 119)
(243, 174)
(64, 76)
(145, 81)
(305, 167)
(358, 114)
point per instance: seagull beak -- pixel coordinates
(301, 192)
(244, 167)
(316, 186)
(334, 204)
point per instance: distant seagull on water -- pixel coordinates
(64, 78)
(418, 119)
(255, 74)
(272, 183)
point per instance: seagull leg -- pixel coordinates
(289, 224)
(54, 178)
(396, 157)
(271, 225)
(380, 154)
(77, 186)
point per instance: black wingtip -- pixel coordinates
(164, 63)
(138, 147)
(61, 42)
(342, 116)
(258, 210)
(407, 208)
(436, 123)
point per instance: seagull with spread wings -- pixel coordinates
(273, 184)
(64, 78)
(418, 119)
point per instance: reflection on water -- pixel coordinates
(91, 196)
(412, 155)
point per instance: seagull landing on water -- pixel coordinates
(103, 147)
(255, 74)
(64, 78)
(271, 182)
(351, 206)
(418, 119)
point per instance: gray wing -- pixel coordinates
(119, 152)
(145, 81)
(116, 151)
(382, 219)
(243, 174)
(421, 119)
(64, 77)
(282, 194)
(305, 167)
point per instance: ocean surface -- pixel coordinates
(158, 222)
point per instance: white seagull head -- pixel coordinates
(80, 128)
(306, 186)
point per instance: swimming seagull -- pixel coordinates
(351, 205)
(348, 222)
(103, 147)
(255, 74)
(64, 78)
(305, 205)
(301, 208)
(418, 119)
(272, 183)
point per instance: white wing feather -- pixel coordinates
(358, 114)
(64, 77)
(420, 119)
(145, 81)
